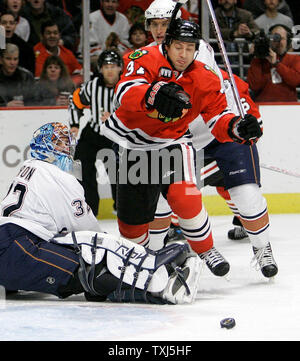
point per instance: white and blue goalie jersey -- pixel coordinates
(46, 201)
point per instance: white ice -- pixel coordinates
(263, 309)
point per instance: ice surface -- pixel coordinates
(263, 309)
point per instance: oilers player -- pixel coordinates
(51, 242)
(242, 192)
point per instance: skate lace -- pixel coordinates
(262, 257)
(212, 257)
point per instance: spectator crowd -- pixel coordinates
(42, 61)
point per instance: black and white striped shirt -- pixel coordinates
(96, 95)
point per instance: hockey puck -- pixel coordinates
(228, 323)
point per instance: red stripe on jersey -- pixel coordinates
(209, 170)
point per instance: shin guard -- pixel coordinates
(253, 212)
(135, 233)
(186, 201)
(226, 196)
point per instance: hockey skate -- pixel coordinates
(264, 260)
(215, 262)
(174, 234)
(238, 232)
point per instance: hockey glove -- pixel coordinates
(244, 130)
(169, 99)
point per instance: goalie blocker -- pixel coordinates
(102, 266)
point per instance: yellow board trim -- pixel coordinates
(283, 202)
(216, 206)
(106, 209)
(277, 203)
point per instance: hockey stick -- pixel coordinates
(178, 5)
(280, 170)
(234, 87)
(225, 59)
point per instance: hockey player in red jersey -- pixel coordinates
(242, 194)
(165, 226)
(160, 92)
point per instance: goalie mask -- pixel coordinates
(54, 143)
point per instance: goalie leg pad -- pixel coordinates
(183, 284)
(132, 265)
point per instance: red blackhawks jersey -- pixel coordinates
(134, 126)
(201, 132)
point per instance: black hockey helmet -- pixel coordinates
(183, 30)
(109, 57)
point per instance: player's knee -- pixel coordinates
(185, 199)
(248, 199)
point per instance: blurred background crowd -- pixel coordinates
(42, 62)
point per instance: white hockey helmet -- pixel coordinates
(160, 9)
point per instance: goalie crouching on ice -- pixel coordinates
(51, 242)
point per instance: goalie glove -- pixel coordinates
(169, 99)
(244, 130)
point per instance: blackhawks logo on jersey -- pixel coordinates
(137, 54)
(156, 115)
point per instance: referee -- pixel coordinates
(98, 94)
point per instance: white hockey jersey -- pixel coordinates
(100, 30)
(46, 200)
(201, 133)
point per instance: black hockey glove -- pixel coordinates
(244, 131)
(169, 99)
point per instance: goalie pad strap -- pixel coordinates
(137, 270)
(147, 285)
(86, 273)
(91, 274)
(83, 274)
(136, 275)
(123, 269)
